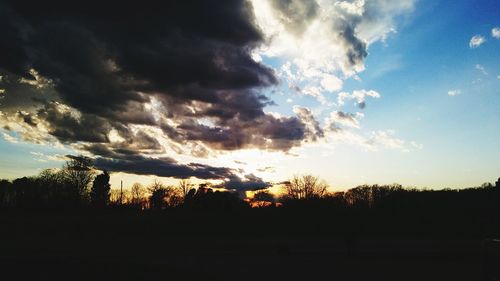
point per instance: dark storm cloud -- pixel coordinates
(101, 55)
(248, 183)
(104, 64)
(13, 41)
(163, 167)
(264, 131)
(64, 125)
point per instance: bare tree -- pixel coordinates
(79, 173)
(137, 194)
(185, 186)
(305, 187)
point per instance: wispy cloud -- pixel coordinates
(481, 68)
(476, 41)
(495, 32)
(42, 157)
(9, 138)
(453, 93)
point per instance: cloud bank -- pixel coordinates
(136, 84)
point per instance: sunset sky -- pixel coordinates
(249, 93)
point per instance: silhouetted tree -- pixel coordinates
(137, 193)
(262, 199)
(5, 193)
(185, 186)
(360, 196)
(118, 197)
(304, 188)
(24, 192)
(100, 192)
(157, 197)
(79, 173)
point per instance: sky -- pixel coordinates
(247, 94)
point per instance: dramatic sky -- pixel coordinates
(249, 93)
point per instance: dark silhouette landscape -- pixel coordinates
(69, 222)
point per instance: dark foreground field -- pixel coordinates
(267, 245)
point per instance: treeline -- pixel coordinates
(78, 185)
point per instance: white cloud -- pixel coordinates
(495, 32)
(9, 138)
(375, 140)
(386, 139)
(331, 83)
(417, 145)
(453, 93)
(476, 41)
(481, 68)
(324, 42)
(358, 95)
(41, 157)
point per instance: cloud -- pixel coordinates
(41, 157)
(70, 126)
(248, 183)
(133, 85)
(453, 93)
(358, 95)
(324, 42)
(185, 70)
(476, 41)
(386, 139)
(417, 145)
(313, 128)
(481, 69)
(9, 138)
(495, 32)
(340, 118)
(162, 167)
(331, 83)
(267, 169)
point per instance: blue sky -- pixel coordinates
(413, 70)
(435, 124)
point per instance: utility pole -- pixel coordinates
(121, 191)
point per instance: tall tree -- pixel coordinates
(157, 198)
(79, 174)
(137, 194)
(100, 192)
